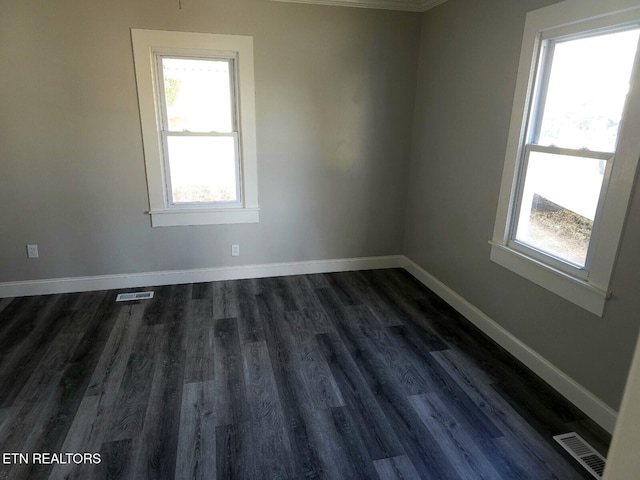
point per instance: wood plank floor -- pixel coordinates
(339, 376)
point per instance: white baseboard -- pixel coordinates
(174, 277)
(582, 398)
(569, 388)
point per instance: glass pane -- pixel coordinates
(587, 89)
(203, 169)
(559, 202)
(198, 95)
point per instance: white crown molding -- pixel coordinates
(429, 4)
(401, 5)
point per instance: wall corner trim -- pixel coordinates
(582, 398)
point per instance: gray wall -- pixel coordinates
(334, 92)
(466, 79)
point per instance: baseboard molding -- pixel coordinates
(601, 413)
(582, 398)
(174, 277)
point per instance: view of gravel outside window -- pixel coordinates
(580, 113)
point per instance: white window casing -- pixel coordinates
(149, 46)
(588, 287)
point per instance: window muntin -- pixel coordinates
(199, 130)
(570, 143)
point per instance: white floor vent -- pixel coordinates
(586, 455)
(125, 297)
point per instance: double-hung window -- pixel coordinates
(573, 148)
(199, 129)
(196, 101)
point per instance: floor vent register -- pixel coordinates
(126, 297)
(584, 453)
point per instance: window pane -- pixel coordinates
(203, 169)
(559, 202)
(198, 95)
(587, 89)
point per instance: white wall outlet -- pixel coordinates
(32, 251)
(235, 250)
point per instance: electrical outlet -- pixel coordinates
(235, 250)
(32, 251)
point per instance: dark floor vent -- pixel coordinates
(125, 297)
(584, 453)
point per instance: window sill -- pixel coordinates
(575, 290)
(178, 218)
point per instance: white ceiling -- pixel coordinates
(405, 5)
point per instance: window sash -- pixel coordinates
(229, 57)
(539, 254)
(165, 132)
(167, 168)
(544, 65)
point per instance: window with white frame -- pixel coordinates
(196, 98)
(573, 148)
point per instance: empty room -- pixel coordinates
(329, 239)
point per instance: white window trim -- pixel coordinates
(145, 44)
(592, 292)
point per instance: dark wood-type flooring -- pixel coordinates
(347, 375)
